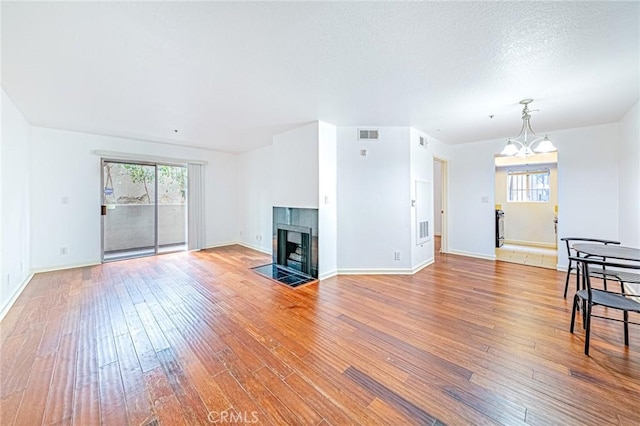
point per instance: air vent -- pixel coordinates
(423, 141)
(423, 229)
(368, 134)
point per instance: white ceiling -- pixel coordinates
(230, 75)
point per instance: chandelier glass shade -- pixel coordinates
(527, 142)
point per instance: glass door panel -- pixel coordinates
(172, 208)
(129, 210)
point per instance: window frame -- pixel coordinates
(526, 189)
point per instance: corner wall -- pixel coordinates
(328, 193)
(15, 209)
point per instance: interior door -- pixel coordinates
(129, 213)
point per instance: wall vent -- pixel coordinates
(368, 134)
(423, 142)
(423, 229)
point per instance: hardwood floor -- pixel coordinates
(199, 338)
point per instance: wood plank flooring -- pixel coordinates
(199, 338)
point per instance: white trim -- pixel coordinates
(63, 267)
(252, 247)
(328, 275)
(18, 292)
(476, 255)
(444, 194)
(113, 155)
(423, 265)
(398, 271)
(228, 243)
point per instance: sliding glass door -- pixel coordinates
(143, 209)
(172, 208)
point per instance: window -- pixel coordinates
(530, 186)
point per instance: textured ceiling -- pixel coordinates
(230, 75)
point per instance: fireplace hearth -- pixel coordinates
(295, 246)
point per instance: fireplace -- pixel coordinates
(293, 247)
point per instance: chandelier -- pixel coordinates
(523, 144)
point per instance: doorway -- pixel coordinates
(526, 199)
(144, 209)
(440, 223)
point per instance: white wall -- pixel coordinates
(437, 197)
(295, 167)
(528, 223)
(587, 189)
(588, 185)
(421, 163)
(374, 201)
(328, 192)
(15, 209)
(629, 169)
(255, 193)
(63, 165)
(471, 199)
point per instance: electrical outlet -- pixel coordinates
(64, 251)
(8, 280)
(396, 255)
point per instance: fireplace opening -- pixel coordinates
(294, 248)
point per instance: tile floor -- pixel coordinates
(527, 255)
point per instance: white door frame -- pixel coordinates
(444, 180)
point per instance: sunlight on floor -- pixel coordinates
(527, 255)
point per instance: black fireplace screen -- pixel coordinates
(294, 248)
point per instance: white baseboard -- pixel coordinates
(252, 247)
(228, 243)
(328, 275)
(62, 268)
(358, 271)
(469, 254)
(422, 265)
(16, 294)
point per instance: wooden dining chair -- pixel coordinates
(573, 266)
(591, 298)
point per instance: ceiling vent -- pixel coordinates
(368, 134)
(423, 142)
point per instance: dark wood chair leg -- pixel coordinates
(588, 328)
(566, 282)
(626, 328)
(573, 312)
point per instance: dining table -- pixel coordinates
(609, 251)
(615, 252)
